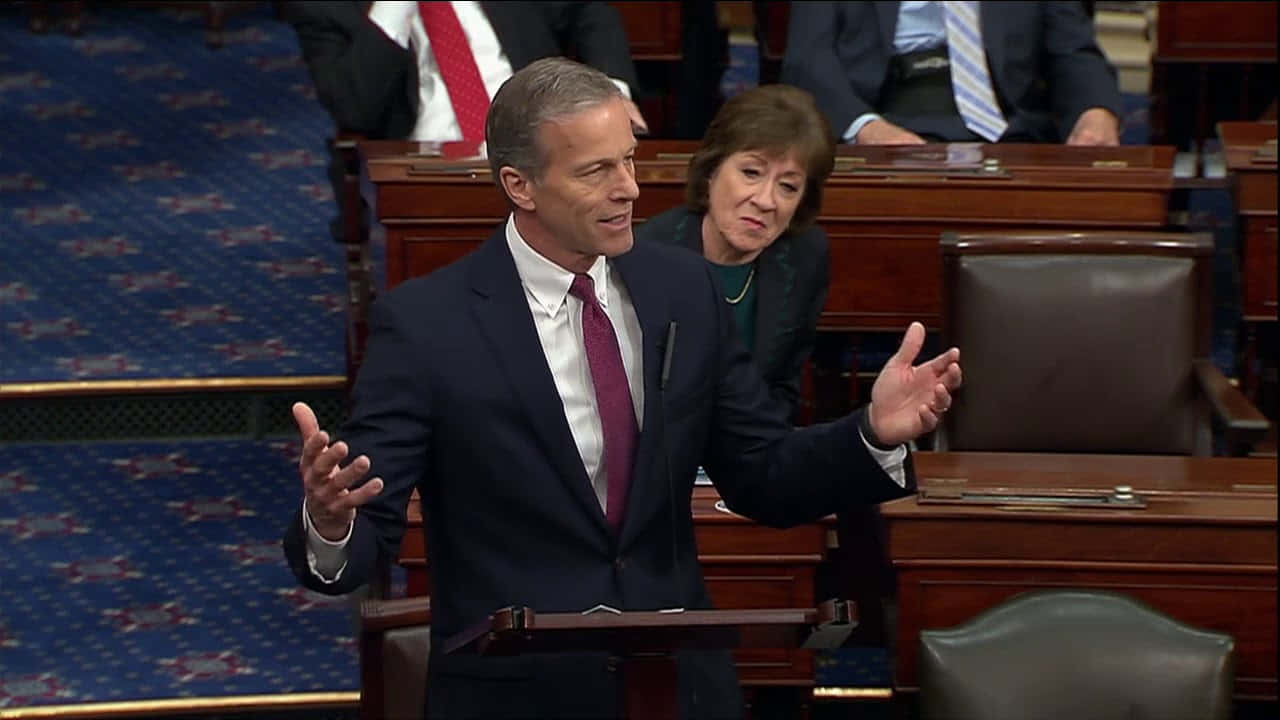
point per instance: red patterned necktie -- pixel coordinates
(457, 67)
(613, 397)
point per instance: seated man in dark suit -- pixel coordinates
(551, 396)
(911, 72)
(400, 70)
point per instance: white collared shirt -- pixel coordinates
(558, 318)
(402, 22)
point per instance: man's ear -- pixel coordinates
(517, 186)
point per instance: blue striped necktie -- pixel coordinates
(970, 77)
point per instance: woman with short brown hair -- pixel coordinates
(754, 190)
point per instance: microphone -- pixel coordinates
(670, 350)
(668, 353)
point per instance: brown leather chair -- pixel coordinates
(1075, 654)
(395, 640)
(1086, 342)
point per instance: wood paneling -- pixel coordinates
(1203, 550)
(884, 209)
(1216, 32)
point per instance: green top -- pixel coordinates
(739, 284)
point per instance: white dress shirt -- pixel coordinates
(557, 315)
(558, 318)
(402, 22)
(921, 26)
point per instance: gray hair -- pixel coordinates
(541, 92)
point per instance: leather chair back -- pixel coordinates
(1075, 654)
(1078, 342)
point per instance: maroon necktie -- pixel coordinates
(457, 67)
(613, 397)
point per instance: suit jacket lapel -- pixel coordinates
(989, 18)
(774, 274)
(992, 41)
(507, 23)
(649, 472)
(502, 314)
(689, 231)
(887, 17)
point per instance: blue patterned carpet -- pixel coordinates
(154, 570)
(163, 206)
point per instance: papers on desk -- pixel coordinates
(964, 153)
(616, 611)
(1206, 161)
(602, 608)
(1184, 165)
(702, 478)
(456, 150)
(1266, 153)
(1215, 164)
(722, 507)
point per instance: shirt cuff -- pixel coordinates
(394, 19)
(326, 558)
(890, 460)
(855, 127)
(625, 88)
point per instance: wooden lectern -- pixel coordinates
(644, 643)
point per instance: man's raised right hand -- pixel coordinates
(330, 501)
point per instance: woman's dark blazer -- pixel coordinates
(791, 279)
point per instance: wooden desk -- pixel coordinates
(1250, 148)
(1216, 32)
(884, 209)
(1205, 52)
(747, 566)
(653, 29)
(1202, 551)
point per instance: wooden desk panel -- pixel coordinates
(1260, 258)
(1255, 175)
(1202, 551)
(1206, 52)
(746, 566)
(1254, 172)
(884, 209)
(653, 29)
(1216, 32)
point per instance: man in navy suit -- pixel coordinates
(890, 73)
(551, 396)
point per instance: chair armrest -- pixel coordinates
(395, 642)
(383, 615)
(346, 138)
(1244, 424)
(344, 144)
